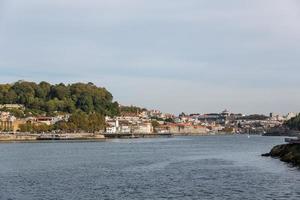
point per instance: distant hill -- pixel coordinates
(45, 98)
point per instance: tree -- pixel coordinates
(294, 123)
(60, 91)
(131, 109)
(85, 103)
(155, 125)
(96, 122)
(170, 120)
(80, 120)
(51, 105)
(61, 125)
(43, 90)
(44, 97)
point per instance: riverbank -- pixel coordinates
(19, 137)
(36, 137)
(289, 153)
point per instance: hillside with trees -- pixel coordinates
(294, 123)
(46, 99)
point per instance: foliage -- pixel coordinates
(14, 111)
(131, 109)
(170, 120)
(44, 98)
(155, 125)
(82, 122)
(294, 123)
(157, 118)
(35, 128)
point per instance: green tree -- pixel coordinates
(60, 91)
(155, 125)
(294, 123)
(96, 122)
(44, 97)
(80, 120)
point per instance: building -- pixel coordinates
(111, 129)
(118, 126)
(123, 126)
(146, 128)
(11, 106)
(290, 116)
(45, 120)
(9, 123)
(186, 128)
(225, 113)
(212, 118)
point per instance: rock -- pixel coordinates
(266, 155)
(289, 153)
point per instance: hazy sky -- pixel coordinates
(173, 55)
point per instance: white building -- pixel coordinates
(290, 116)
(146, 128)
(111, 129)
(118, 126)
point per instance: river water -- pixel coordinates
(208, 167)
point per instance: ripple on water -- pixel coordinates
(184, 168)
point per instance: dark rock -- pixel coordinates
(266, 155)
(289, 153)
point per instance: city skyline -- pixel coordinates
(175, 56)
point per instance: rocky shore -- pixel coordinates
(289, 153)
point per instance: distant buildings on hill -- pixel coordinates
(210, 123)
(154, 121)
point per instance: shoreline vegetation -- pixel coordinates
(78, 107)
(50, 100)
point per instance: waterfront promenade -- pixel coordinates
(6, 137)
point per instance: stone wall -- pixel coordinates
(188, 130)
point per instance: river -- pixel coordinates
(207, 167)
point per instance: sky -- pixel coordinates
(193, 56)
